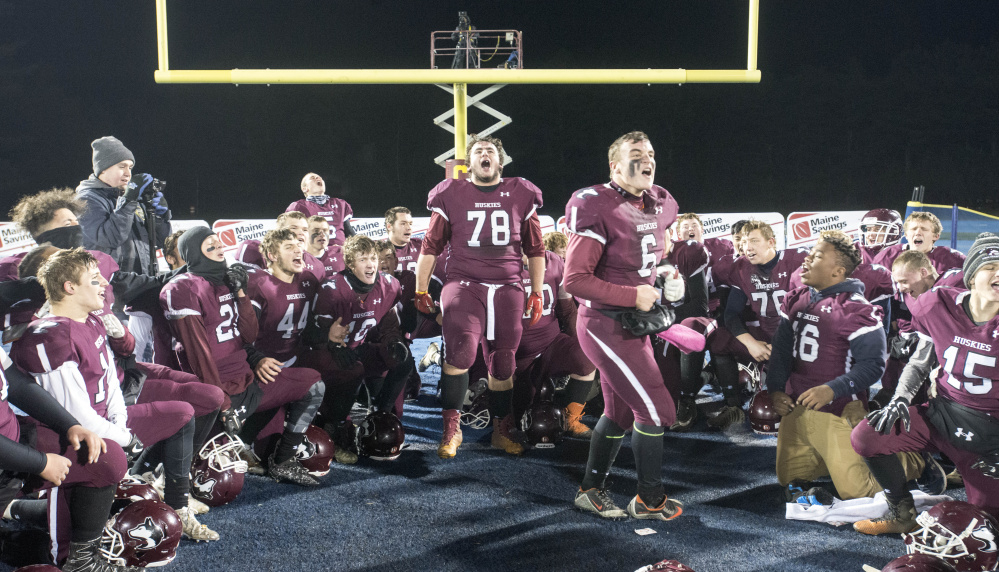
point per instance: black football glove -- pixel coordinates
(231, 423)
(134, 449)
(988, 464)
(137, 186)
(885, 418)
(236, 278)
(343, 357)
(398, 352)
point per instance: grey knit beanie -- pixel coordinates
(984, 251)
(108, 152)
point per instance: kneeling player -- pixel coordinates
(958, 328)
(828, 349)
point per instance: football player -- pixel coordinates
(922, 230)
(335, 210)
(879, 228)
(82, 467)
(69, 353)
(399, 225)
(489, 222)
(759, 281)
(248, 252)
(556, 242)
(281, 297)
(356, 334)
(556, 349)
(330, 255)
(957, 329)
(616, 238)
(827, 351)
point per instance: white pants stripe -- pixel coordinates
(630, 376)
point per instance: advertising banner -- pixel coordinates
(803, 228)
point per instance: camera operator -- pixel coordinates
(468, 40)
(118, 206)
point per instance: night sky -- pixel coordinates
(859, 102)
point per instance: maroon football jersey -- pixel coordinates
(869, 253)
(689, 257)
(485, 237)
(55, 341)
(764, 291)
(283, 310)
(942, 257)
(9, 264)
(719, 249)
(407, 255)
(953, 278)
(822, 333)
(190, 295)
(537, 338)
(633, 238)
(877, 281)
(337, 299)
(336, 212)
(248, 252)
(969, 371)
(332, 260)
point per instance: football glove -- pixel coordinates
(535, 306)
(113, 325)
(988, 464)
(425, 303)
(134, 449)
(236, 278)
(885, 418)
(672, 284)
(231, 423)
(343, 357)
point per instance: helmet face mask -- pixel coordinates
(958, 533)
(475, 410)
(222, 454)
(885, 225)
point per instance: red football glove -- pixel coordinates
(425, 303)
(534, 307)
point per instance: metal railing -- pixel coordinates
(474, 49)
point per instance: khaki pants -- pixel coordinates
(813, 444)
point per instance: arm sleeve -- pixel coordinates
(885, 305)
(438, 235)
(29, 397)
(696, 304)
(733, 312)
(868, 351)
(68, 387)
(917, 370)
(253, 355)
(388, 328)
(105, 229)
(583, 256)
(19, 458)
(246, 322)
(128, 286)
(779, 367)
(565, 311)
(530, 237)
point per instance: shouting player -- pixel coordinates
(336, 211)
(617, 233)
(489, 222)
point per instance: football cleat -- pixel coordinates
(933, 480)
(193, 529)
(574, 426)
(668, 510)
(730, 415)
(686, 414)
(503, 437)
(451, 438)
(955, 480)
(196, 506)
(599, 503)
(343, 438)
(290, 470)
(432, 357)
(900, 519)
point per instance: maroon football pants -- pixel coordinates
(486, 315)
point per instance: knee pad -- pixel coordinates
(503, 364)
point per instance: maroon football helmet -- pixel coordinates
(545, 390)
(762, 416)
(145, 533)
(543, 425)
(885, 224)
(217, 472)
(316, 451)
(380, 436)
(475, 409)
(918, 563)
(130, 489)
(959, 533)
(750, 377)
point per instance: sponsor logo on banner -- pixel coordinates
(807, 226)
(232, 232)
(13, 239)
